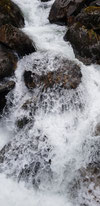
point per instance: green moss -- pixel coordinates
(93, 35)
(91, 9)
(5, 5)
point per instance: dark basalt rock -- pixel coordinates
(8, 62)
(67, 76)
(16, 40)
(90, 17)
(85, 42)
(5, 88)
(10, 13)
(62, 10)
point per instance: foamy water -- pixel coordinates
(67, 133)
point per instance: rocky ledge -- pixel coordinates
(67, 75)
(83, 20)
(13, 44)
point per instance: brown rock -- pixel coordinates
(90, 17)
(16, 40)
(85, 42)
(8, 62)
(10, 13)
(68, 76)
(62, 10)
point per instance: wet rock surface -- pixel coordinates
(62, 10)
(8, 62)
(86, 42)
(10, 13)
(84, 34)
(16, 40)
(83, 20)
(90, 18)
(68, 76)
(28, 166)
(5, 88)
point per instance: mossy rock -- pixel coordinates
(90, 17)
(10, 13)
(85, 42)
(16, 40)
(67, 76)
(92, 9)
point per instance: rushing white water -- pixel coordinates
(63, 137)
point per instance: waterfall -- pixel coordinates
(61, 128)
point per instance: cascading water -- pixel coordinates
(59, 139)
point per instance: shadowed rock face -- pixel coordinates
(5, 88)
(68, 76)
(83, 20)
(84, 35)
(16, 40)
(85, 42)
(90, 17)
(61, 10)
(10, 14)
(8, 62)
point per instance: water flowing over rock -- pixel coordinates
(67, 75)
(10, 13)
(50, 126)
(16, 40)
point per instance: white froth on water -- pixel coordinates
(66, 131)
(47, 37)
(13, 194)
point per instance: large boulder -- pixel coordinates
(62, 10)
(68, 76)
(8, 62)
(5, 88)
(10, 13)
(16, 40)
(85, 42)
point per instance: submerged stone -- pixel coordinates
(67, 75)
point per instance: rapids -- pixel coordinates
(62, 134)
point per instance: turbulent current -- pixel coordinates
(59, 140)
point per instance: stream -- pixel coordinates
(59, 139)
